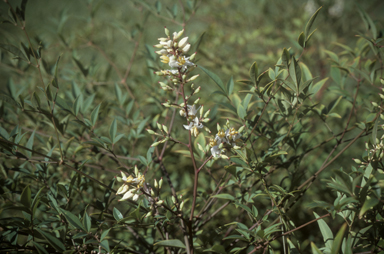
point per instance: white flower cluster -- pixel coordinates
(195, 123)
(173, 53)
(131, 185)
(225, 138)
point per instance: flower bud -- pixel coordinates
(206, 120)
(197, 100)
(381, 96)
(160, 202)
(152, 193)
(207, 113)
(160, 183)
(148, 214)
(159, 73)
(181, 205)
(155, 144)
(374, 104)
(182, 104)
(174, 199)
(166, 31)
(155, 184)
(179, 34)
(357, 161)
(159, 126)
(193, 78)
(192, 57)
(221, 145)
(382, 81)
(207, 129)
(201, 110)
(165, 128)
(225, 157)
(183, 42)
(136, 171)
(218, 127)
(237, 147)
(162, 84)
(150, 131)
(197, 90)
(200, 147)
(159, 46)
(184, 77)
(186, 48)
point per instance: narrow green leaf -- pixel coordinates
(241, 112)
(81, 67)
(295, 73)
(224, 196)
(301, 40)
(87, 222)
(117, 214)
(14, 50)
(230, 86)
(39, 248)
(55, 81)
(318, 85)
(368, 204)
(158, 6)
(175, 243)
(119, 94)
(374, 132)
(29, 144)
(333, 104)
(52, 240)
(104, 234)
(149, 154)
(25, 197)
(285, 56)
(113, 130)
(77, 105)
(9, 100)
(143, 160)
(254, 72)
(216, 249)
(215, 78)
(36, 199)
(325, 231)
(338, 240)
(73, 219)
(95, 115)
(315, 250)
(310, 23)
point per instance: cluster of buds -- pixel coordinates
(375, 151)
(131, 185)
(173, 52)
(155, 194)
(194, 122)
(226, 138)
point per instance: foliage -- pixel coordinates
(106, 147)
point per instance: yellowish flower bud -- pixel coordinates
(160, 183)
(155, 184)
(159, 126)
(200, 147)
(136, 171)
(197, 90)
(152, 193)
(182, 205)
(241, 129)
(201, 110)
(225, 157)
(183, 42)
(196, 101)
(165, 128)
(186, 48)
(205, 120)
(193, 78)
(192, 57)
(166, 31)
(150, 131)
(160, 202)
(159, 46)
(155, 144)
(174, 199)
(207, 113)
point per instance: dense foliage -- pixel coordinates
(249, 127)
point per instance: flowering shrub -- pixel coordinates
(80, 175)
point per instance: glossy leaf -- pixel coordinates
(14, 50)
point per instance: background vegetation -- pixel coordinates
(95, 70)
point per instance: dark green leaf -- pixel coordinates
(14, 50)
(215, 78)
(87, 222)
(374, 132)
(117, 214)
(175, 243)
(368, 204)
(52, 240)
(224, 196)
(113, 130)
(230, 86)
(95, 115)
(73, 219)
(9, 99)
(55, 81)
(295, 73)
(77, 105)
(216, 249)
(29, 144)
(104, 234)
(310, 23)
(301, 40)
(315, 250)
(39, 248)
(254, 72)
(285, 57)
(338, 239)
(325, 231)
(25, 197)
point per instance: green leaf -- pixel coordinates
(310, 23)
(216, 249)
(368, 22)
(301, 40)
(143, 160)
(25, 197)
(39, 248)
(315, 250)
(87, 222)
(113, 130)
(117, 214)
(333, 104)
(9, 100)
(241, 112)
(81, 67)
(224, 196)
(230, 86)
(29, 144)
(374, 132)
(338, 239)
(52, 240)
(254, 72)
(316, 87)
(175, 243)
(95, 115)
(295, 73)
(119, 94)
(77, 104)
(158, 6)
(215, 78)
(73, 219)
(104, 234)
(325, 231)
(285, 57)
(368, 204)
(55, 82)
(14, 50)
(36, 200)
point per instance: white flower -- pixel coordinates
(194, 126)
(216, 151)
(232, 135)
(128, 195)
(192, 111)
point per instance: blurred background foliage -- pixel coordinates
(107, 58)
